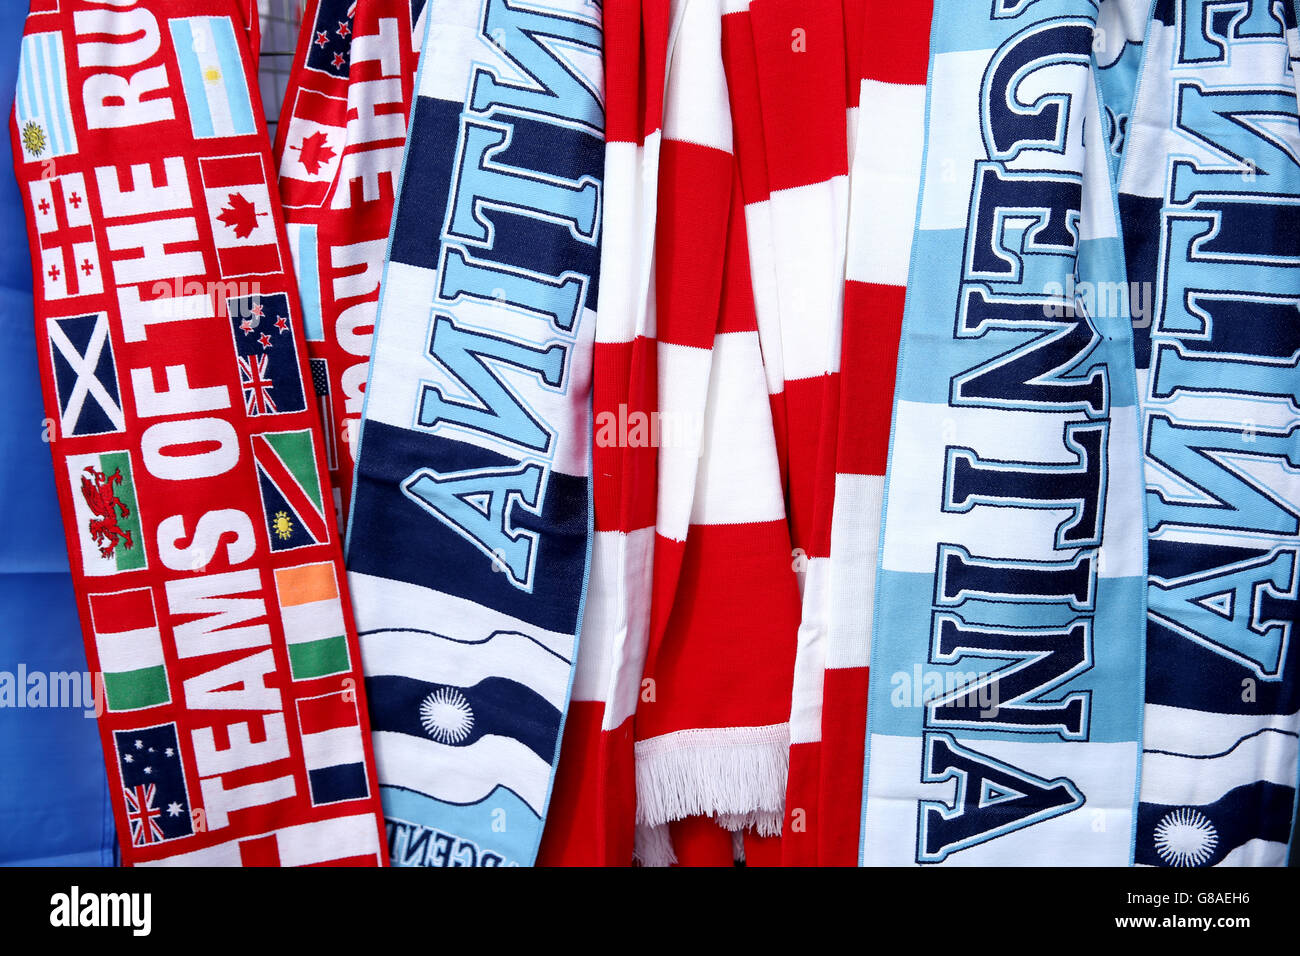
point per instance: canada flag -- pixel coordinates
(312, 149)
(241, 216)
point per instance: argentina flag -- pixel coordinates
(212, 76)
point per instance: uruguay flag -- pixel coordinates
(471, 716)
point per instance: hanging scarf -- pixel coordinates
(711, 727)
(884, 186)
(337, 181)
(1210, 192)
(787, 60)
(189, 458)
(1004, 723)
(593, 809)
(470, 533)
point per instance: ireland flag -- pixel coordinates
(108, 522)
(130, 649)
(313, 620)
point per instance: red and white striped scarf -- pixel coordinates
(712, 725)
(593, 805)
(892, 63)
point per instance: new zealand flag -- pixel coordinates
(266, 351)
(331, 40)
(153, 784)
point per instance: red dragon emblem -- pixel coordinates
(104, 502)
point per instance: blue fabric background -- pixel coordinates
(54, 806)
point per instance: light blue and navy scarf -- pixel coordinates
(1006, 671)
(470, 533)
(1210, 195)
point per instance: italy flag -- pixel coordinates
(130, 649)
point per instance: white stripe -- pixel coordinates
(855, 543)
(1178, 730)
(327, 840)
(441, 660)
(1256, 853)
(129, 650)
(696, 109)
(462, 774)
(311, 622)
(739, 478)
(382, 604)
(683, 385)
(1182, 781)
(332, 747)
(810, 656)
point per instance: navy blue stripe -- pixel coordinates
(1256, 811)
(499, 706)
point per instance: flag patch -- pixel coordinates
(332, 748)
(85, 376)
(313, 148)
(320, 380)
(239, 211)
(107, 517)
(331, 42)
(290, 488)
(314, 627)
(266, 353)
(153, 784)
(212, 77)
(130, 649)
(69, 254)
(41, 102)
(306, 266)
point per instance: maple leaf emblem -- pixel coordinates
(240, 215)
(314, 152)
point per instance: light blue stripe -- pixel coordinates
(232, 76)
(47, 87)
(26, 107)
(309, 284)
(192, 79)
(67, 137)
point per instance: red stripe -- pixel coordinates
(118, 613)
(746, 105)
(319, 714)
(896, 41)
(225, 172)
(800, 50)
(873, 317)
(288, 486)
(699, 841)
(260, 851)
(802, 815)
(691, 234)
(623, 73)
(250, 260)
(844, 740)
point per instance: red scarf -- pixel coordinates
(187, 448)
(338, 150)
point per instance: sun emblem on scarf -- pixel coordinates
(33, 138)
(1185, 837)
(446, 716)
(282, 525)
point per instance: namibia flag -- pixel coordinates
(289, 482)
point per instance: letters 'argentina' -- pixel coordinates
(470, 532)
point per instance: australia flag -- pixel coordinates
(153, 784)
(266, 352)
(331, 42)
